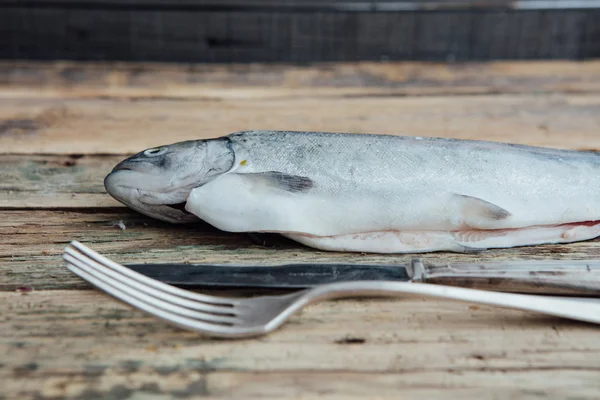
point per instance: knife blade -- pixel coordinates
(569, 277)
(292, 276)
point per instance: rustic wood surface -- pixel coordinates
(47, 232)
(62, 128)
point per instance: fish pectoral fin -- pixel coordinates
(475, 209)
(280, 180)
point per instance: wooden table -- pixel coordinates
(63, 126)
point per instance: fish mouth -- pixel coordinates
(123, 185)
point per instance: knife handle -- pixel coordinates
(580, 278)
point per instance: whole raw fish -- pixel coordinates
(369, 193)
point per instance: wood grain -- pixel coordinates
(72, 343)
(121, 108)
(222, 81)
(89, 126)
(55, 181)
(46, 232)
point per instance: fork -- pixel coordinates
(246, 317)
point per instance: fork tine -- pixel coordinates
(183, 322)
(139, 286)
(118, 288)
(146, 280)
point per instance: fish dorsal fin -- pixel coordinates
(475, 209)
(280, 180)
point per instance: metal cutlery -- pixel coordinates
(246, 317)
(572, 277)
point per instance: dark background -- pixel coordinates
(298, 31)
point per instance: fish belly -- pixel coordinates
(458, 241)
(400, 194)
(232, 204)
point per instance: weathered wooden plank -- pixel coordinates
(185, 34)
(61, 344)
(60, 181)
(38, 264)
(130, 381)
(134, 80)
(117, 126)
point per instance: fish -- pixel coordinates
(371, 193)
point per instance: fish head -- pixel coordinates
(157, 181)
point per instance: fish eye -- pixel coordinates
(155, 151)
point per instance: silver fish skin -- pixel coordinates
(377, 193)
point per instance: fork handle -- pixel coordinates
(581, 278)
(581, 309)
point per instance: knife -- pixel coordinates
(566, 277)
